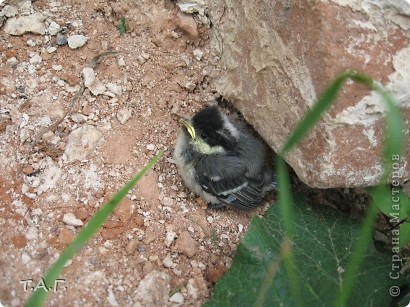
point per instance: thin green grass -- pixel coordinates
(393, 146)
(38, 297)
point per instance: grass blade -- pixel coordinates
(38, 297)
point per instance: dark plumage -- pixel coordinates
(222, 161)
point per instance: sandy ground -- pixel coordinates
(52, 181)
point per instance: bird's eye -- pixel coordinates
(204, 136)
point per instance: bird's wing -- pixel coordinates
(225, 178)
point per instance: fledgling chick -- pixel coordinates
(222, 162)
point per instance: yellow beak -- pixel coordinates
(189, 127)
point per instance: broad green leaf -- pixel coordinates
(322, 245)
(38, 297)
(404, 238)
(122, 26)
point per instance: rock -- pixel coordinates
(9, 11)
(61, 40)
(169, 238)
(82, 142)
(70, 219)
(36, 59)
(192, 6)
(81, 213)
(167, 262)
(97, 88)
(111, 298)
(53, 28)
(151, 147)
(114, 88)
(123, 115)
(177, 298)
(76, 41)
(186, 245)
(153, 290)
(89, 76)
(65, 236)
(277, 65)
(197, 286)
(12, 62)
(19, 241)
(78, 118)
(215, 273)
(187, 23)
(33, 23)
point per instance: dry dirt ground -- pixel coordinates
(52, 181)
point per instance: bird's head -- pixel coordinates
(211, 132)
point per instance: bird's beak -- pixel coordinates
(189, 127)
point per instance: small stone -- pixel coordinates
(9, 11)
(81, 213)
(151, 147)
(215, 273)
(210, 219)
(123, 115)
(169, 238)
(131, 247)
(167, 262)
(198, 53)
(112, 233)
(89, 76)
(187, 23)
(65, 236)
(111, 298)
(97, 88)
(114, 88)
(12, 62)
(82, 142)
(78, 118)
(53, 28)
(51, 49)
(143, 57)
(77, 41)
(186, 245)
(57, 67)
(177, 298)
(33, 23)
(25, 258)
(27, 170)
(61, 40)
(36, 59)
(121, 61)
(70, 219)
(153, 290)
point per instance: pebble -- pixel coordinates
(77, 41)
(65, 236)
(12, 62)
(143, 57)
(9, 11)
(82, 142)
(36, 59)
(31, 233)
(70, 219)
(89, 76)
(53, 28)
(51, 49)
(61, 40)
(131, 247)
(123, 115)
(151, 147)
(33, 23)
(198, 53)
(169, 238)
(114, 88)
(153, 290)
(78, 118)
(167, 262)
(81, 213)
(121, 61)
(186, 245)
(177, 298)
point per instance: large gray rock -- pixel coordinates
(279, 57)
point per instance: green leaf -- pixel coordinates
(404, 237)
(38, 297)
(122, 26)
(322, 246)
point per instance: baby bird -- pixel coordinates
(221, 161)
